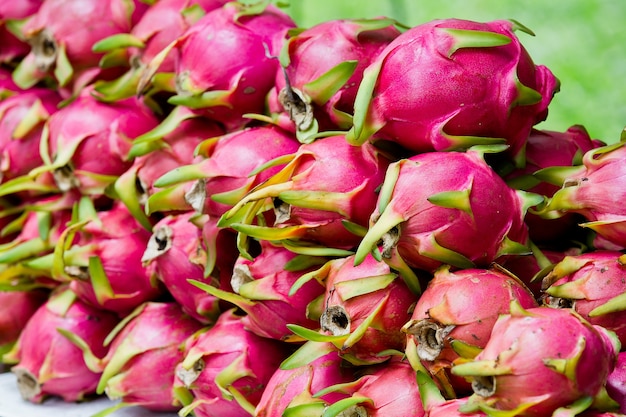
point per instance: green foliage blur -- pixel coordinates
(583, 42)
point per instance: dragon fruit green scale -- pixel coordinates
(462, 83)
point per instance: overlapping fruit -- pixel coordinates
(206, 209)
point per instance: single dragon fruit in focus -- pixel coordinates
(48, 364)
(364, 309)
(226, 369)
(210, 73)
(262, 288)
(144, 350)
(298, 388)
(593, 285)
(466, 220)
(231, 166)
(162, 23)
(176, 253)
(454, 317)
(594, 190)
(325, 185)
(62, 48)
(315, 90)
(494, 92)
(389, 389)
(571, 358)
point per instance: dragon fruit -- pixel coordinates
(176, 254)
(168, 146)
(390, 389)
(364, 309)
(454, 316)
(493, 93)
(22, 117)
(616, 382)
(162, 23)
(61, 48)
(100, 257)
(210, 76)
(48, 364)
(228, 171)
(298, 388)
(327, 184)
(11, 13)
(436, 405)
(88, 127)
(16, 308)
(7, 86)
(450, 219)
(571, 358)
(153, 334)
(593, 285)
(226, 369)
(593, 190)
(262, 288)
(316, 90)
(545, 148)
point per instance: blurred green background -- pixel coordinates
(583, 42)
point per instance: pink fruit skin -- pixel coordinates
(16, 308)
(20, 154)
(119, 241)
(154, 337)
(523, 342)
(478, 235)
(480, 84)
(287, 384)
(471, 300)
(97, 128)
(269, 318)
(55, 362)
(12, 47)
(206, 61)
(616, 382)
(450, 408)
(397, 300)
(597, 278)
(310, 58)
(220, 346)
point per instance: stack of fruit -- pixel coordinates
(209, 210)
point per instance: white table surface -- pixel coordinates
(12, 405)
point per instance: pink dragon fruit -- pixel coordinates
(364, 310)
(176, 254)
(226, 369)
(62, 48)
(22, 117)
(101, 258)
(144, 351)
(593, 285)
(594, 190)
(316, 90)
(7, 86)
(454, 316)
(450, 219)
(227, 173)
(616, 382)
(88, 127)
(13, 47)
(545, 148)
(261, 287)
(210, 76)
(326, 185)
(570, 357)
(390, 389)
(16, 308)
(297, 388)
(436, 405)
(161, 24)
(168, 146)
(48, 364)
(494, 92)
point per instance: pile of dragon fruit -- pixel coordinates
(208, 210)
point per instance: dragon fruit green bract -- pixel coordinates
(458, 220)
(492, 91)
